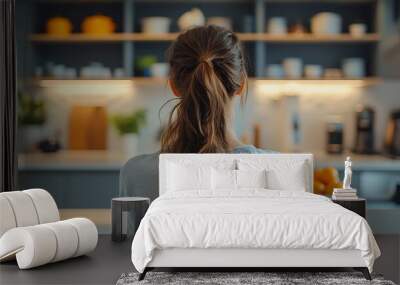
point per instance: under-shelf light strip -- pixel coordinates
(308, 87)
(88, 87)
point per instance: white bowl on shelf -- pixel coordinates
(358, 30)
(313, 71)
(156, 25)
(277, 26)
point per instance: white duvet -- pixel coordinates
(250, 218)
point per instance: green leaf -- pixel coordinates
(131, 123)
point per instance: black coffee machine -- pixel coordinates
(392, 137)
(365, 120)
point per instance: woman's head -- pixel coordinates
(207, 70)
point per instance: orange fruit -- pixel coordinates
(327, 175)
(59, 26)
(319, 187)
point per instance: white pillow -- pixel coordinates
(223, 179)
(251, 178)
(228, 179)
(282, 174)
(293, 180)
(182, 177)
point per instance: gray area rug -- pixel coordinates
(232, 278)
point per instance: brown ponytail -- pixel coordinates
(207, 69)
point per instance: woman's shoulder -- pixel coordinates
(141, 162)
(139, 176)
(251, 149)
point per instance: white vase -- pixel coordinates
(130, 145)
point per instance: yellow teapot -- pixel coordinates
(98, 25)
(59, 26)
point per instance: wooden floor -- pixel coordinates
(110, 260)
(103, 266)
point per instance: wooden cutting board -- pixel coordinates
(88, 128)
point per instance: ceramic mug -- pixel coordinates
(293, 67)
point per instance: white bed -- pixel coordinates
(280, 225)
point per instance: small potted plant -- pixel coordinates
(128, 127)
(31, 120)
(144, 63)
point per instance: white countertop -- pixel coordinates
(106, 160)
(72, 160)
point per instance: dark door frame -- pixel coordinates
(8, 98)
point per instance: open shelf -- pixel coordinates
(159, 80)
(261, 37)
(367, 81)
(123, 48)
(310, 38)
(116, 37)
(142, 81)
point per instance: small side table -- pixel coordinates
(357, 206)
(120, 207)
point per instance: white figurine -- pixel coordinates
(347, 174)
